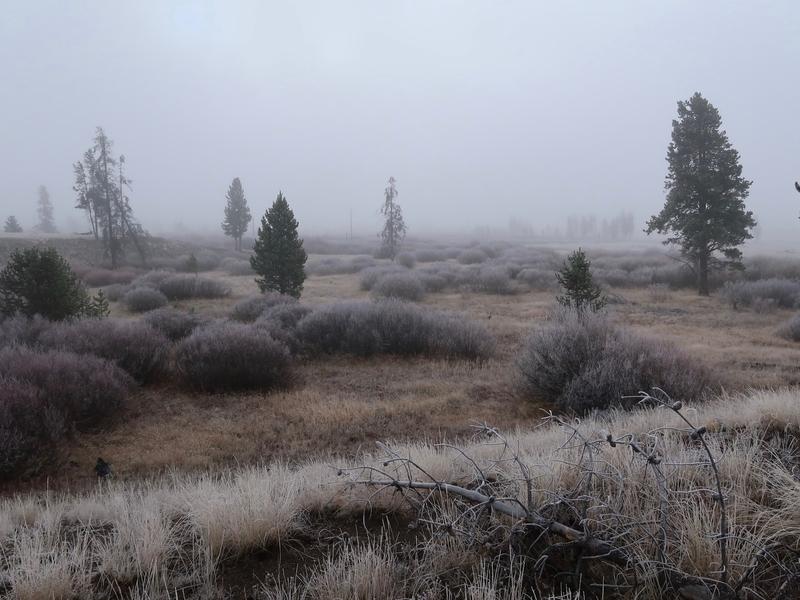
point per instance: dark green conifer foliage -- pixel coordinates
(237, 213)
(704, 213)
(580, 291)
(278, 254)
(39, 281)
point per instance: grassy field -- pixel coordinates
(345, 404)
(236, 494)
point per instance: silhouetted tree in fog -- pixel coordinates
(100, 183)
(394, 228)
(705, 212)
(278, 254)
(237, 213)
(45, 211)
(12, 225)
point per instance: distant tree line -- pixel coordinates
(588, 227)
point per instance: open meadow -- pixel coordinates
(309, 467)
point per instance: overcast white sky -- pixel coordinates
(482, 110)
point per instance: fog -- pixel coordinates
(482, 111)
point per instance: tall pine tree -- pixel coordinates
(278, 254)
(237, 213)
(705, 212)
(45, 211)
(394, 227)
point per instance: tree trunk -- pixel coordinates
(702, 275)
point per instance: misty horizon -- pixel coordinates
(485, 114)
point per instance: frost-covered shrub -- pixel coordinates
(790, 330)
(144, 299)
(132, 345)
(785, 293)
(402, 286)
(492, 280)
(251, 308)
(472, 256)
(280, 323)
(582, 361)
(392, 327)
(237, 267)
(116, 291)
(22, 436)
(103, 277)
(152, 278)
(232, 356)
(406, 259)
(371, 275)
(173, 323)
(183, 287)
(428, 255)
(22, 330)
(210, 288)
(432, 282)
(338, 266)
(537, 279)
(73, 390)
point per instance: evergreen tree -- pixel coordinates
(237, 213)
(39, 281)
(45, 211)
(394, 227)
(12, 225)
(278, 254)
(704, 212)
(580, 291)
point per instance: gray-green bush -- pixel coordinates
(392, 327)
(232, 356)
(582, 361)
